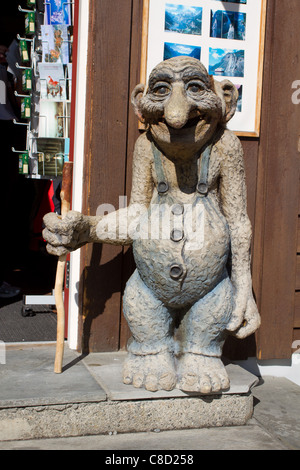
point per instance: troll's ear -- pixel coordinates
(136, 96)
(229, 96)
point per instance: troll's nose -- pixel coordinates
(177, 108)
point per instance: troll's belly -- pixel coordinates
(182, 259)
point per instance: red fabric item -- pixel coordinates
(46, 206)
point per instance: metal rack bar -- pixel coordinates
(25, 11)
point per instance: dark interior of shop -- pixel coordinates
(25, 263)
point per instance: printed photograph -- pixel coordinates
(52, 81)
(244, 2)
(226, 62)
(239, 104)
(51, 119)
(50, 156)
(174, 50)
(55, 43)
(228, 25)
(183, 19)
(57, 12)
(69, 81)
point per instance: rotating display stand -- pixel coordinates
(45, 63)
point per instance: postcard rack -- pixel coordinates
(45, 63)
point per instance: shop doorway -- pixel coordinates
(29, 189)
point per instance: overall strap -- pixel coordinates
(203, 164)
(162, 186)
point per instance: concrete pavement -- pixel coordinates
(249, 437)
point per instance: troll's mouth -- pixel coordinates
(193, 121)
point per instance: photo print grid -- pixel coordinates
(216, 32)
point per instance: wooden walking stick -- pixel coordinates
(65, 196)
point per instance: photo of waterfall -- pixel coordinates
(226, 62)
(183, 19)
(228, 25)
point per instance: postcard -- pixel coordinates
(67, 119)
(69, 70)
(50, 156)
(244, 2)
(239, 105)
(55, 43)
(51, 119)
(226, 62)
(173, 50)
(70, 39)
(57, 12)
(67, 149)
(183, 19)
(228, 25)
(52, 82)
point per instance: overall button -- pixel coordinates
(162, 187)
(177, 209)
(176, 271)
(176, 235)
(202, 188)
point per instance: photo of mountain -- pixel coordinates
(183, 19)
(228, 25)
(173, 50)
(226, 62)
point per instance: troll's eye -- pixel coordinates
(161, 90)
(195, 87)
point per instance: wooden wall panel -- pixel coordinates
(298, 236)
(105, 166)
(296, 341)
(278, 183)
(133, 133)
(297, 310)
(297, 282)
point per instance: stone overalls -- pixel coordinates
(181, 282)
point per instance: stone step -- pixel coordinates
(89, 398)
